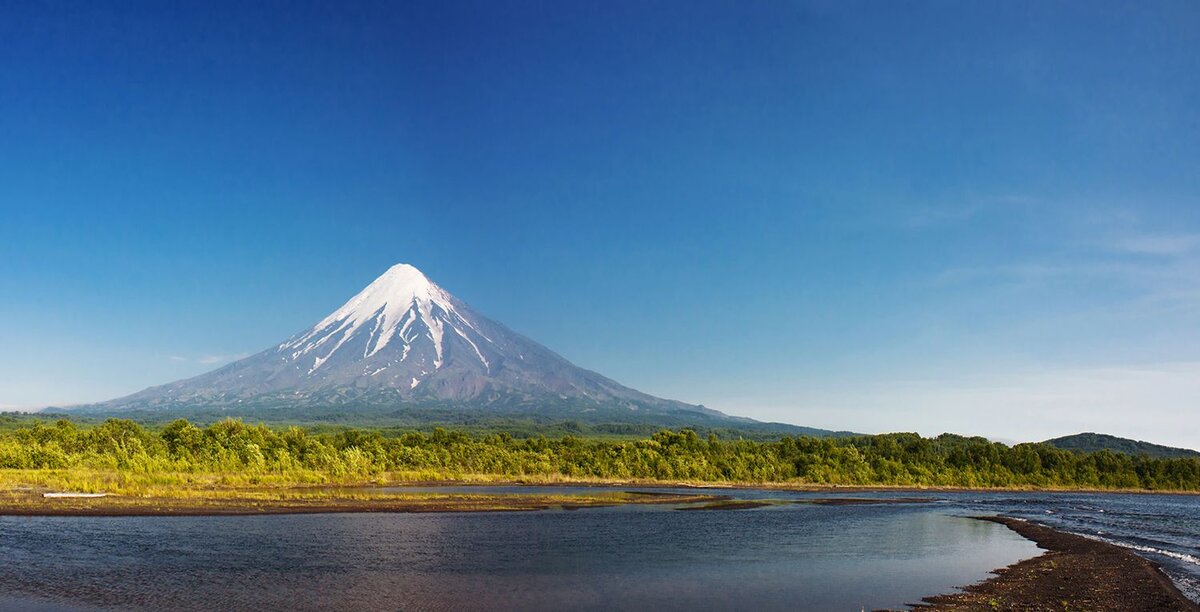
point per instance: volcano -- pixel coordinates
(405, 342)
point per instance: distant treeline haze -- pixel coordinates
(892, 459)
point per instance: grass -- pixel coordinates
(132, 493)
(167, 483)
(301, 490)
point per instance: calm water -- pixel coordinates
(785, 557)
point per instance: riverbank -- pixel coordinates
(190, 502)
(217, 500)
(1075, 573)
(173, 493)
(483, 480)
(149, 482)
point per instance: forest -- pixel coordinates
(258, 453)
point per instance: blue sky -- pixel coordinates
(940, 216)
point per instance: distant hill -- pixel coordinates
(1091, 442)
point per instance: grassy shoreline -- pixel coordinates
(133, 493)
(536, 480)
(176, 501)
(136, 483)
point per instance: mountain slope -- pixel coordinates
(404, 342)
(1092, 442)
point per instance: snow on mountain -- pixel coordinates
(403, 305)
(404, 341)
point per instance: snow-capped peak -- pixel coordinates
(391, 295)
(392, 303)
(397, 287)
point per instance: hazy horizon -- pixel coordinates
(974, 218)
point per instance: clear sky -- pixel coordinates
(979, 217)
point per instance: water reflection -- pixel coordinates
(814, 557)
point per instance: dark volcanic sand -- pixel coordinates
(1075, 573)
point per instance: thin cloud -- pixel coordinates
(214, 359)
(923, 217)
(1031, 272)
(210, 359)
(929, 216)
(1161, 244)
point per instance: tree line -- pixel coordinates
(901, 459)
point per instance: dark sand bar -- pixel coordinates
(1075, 573)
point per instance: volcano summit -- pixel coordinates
(404, 342)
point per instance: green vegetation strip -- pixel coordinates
(124, 458)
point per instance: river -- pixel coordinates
(784, 557)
